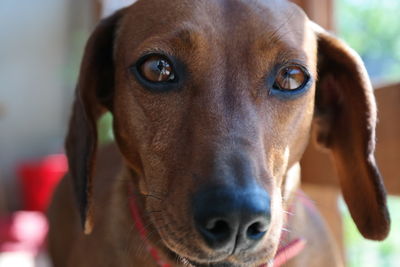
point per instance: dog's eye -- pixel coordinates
(157, 69)
(291, 78)
(158, 72)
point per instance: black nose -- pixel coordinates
(231, 218)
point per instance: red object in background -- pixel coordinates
(23, 231)
(38, 180)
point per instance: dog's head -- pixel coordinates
(213, 103)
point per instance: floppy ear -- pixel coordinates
(346, 119)
(93, 96)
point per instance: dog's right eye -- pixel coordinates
(290, 81)
(291, 78)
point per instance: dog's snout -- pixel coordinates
(231, 219)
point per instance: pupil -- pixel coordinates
(287, 73)
(164, 70)
(161, 65)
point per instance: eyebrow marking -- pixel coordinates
(188, 38)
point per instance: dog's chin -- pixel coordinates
(195, 262)
(210, 264)
(193, 255)
(187, 261)
(221, 260)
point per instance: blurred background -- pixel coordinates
(41, 44)
(372, 28)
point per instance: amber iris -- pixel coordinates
(157, 69)
(291, 78)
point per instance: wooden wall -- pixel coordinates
(320, 11)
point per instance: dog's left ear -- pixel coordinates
(93, 97)
(345, 119)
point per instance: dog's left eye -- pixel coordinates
(291, 78)
(157, 69)
(158, 72)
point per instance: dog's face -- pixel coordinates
(213, 103)
(232, 109)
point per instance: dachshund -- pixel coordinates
(213, 105)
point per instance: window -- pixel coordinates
(372, 28)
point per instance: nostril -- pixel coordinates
(256, 230)
(217, 228)
(216, 225)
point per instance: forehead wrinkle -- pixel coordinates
(286, 47)
(287, 53)
(275, 28)
(281, 51)
(282, 35)
(265, 23)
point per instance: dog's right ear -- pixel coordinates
(93, 97)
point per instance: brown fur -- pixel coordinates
(172, 143)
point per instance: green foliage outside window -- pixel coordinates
(105, 130)
(372, 28)
(362, 252)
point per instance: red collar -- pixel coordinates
(286, 250)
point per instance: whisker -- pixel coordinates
(158, 196)
(288, 212)
(153, 196)
(153, 211)
(129, 244)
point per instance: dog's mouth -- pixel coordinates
(237, 232)
(221, 262)
(215, 264)
(202, 258)
(193, 263)
(193, 252)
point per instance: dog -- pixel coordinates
(213, 105)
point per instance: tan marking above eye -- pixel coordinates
(157, 68)
(291, 78)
